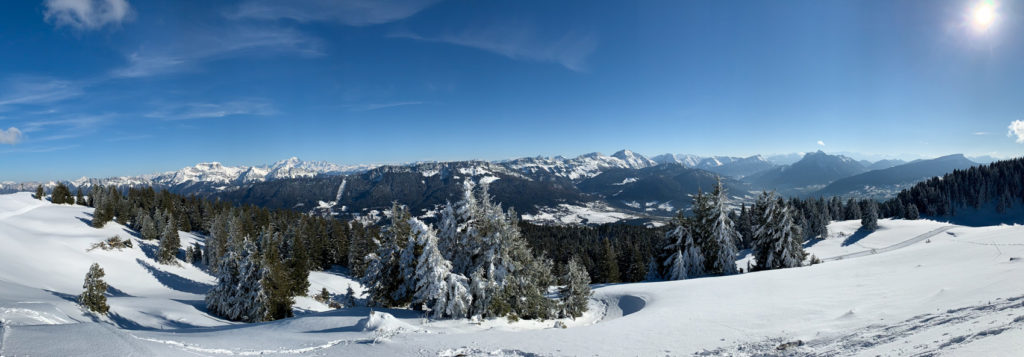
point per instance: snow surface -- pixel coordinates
(591, 213)
(957, 292)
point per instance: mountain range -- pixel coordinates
(626, 184)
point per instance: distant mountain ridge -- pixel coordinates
(594, 186)
(888, 181)
(814, 170)
(207, 176)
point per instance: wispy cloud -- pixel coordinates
(821, 143)
(76, 123)
(521, 42)
(347, 12)
(10, 136)
(38, 149)
(1017, 129)
(376, 106)
(215, 43)
(128, 138)
(213, 110)
(979, 133)
(87, 14)
(30, 90)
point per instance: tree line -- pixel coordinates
(261, 258)
(474, 264)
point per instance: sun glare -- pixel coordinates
(983, 15)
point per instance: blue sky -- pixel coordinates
(113, 87)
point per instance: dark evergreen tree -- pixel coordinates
(61, 195)
(744, 226)
(79, 198)
(40, 193)
(610, 263)
(869, 220)
(912, 212)
(93, 297)
(167, 251)
(852, 210)
(149, 231)
(350, 297)
(275, 281)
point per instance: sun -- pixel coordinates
(983, 15)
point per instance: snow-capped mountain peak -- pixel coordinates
(634, 160)
(686, 160)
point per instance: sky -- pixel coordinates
(103, 88)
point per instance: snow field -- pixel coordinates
(957, 292)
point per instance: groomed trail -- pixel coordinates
(900, 245)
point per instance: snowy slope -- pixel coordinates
(958, 292)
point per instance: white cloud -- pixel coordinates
(347, 12)
(980, 133)
(37, 90)
(1017, 129)
(821, 143)
(376, 106)
(10, 136)
(87, 14)
(73, 124)
(213, 110)
(522, 42)
(209, 44)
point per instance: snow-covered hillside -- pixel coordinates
(910, 288)
(45, 250)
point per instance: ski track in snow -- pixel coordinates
(973, 323)
(223, 351)
(5, 216)
(890, 248)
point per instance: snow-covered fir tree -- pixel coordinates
(448, 231)
(465, 245)
(446, 294)
(685, 259)
(383, 279)
(431, 268)
(238, 294)
(717, 232)
(408, 260)
(777, 239)
(93, 297)
(149, 231)
(575, 290)
(504, 277)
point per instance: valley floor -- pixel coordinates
(910, 288)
